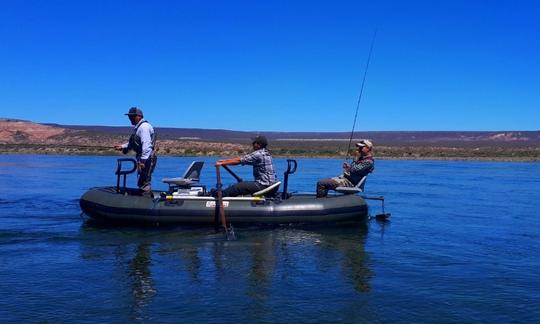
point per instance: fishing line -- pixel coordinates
(361, 91)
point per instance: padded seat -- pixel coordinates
(179, 181)
(352, 190)
(268, 191)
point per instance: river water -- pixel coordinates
(463, 244)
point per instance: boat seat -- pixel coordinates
(191, 176)
(352, 190)
(268, 191)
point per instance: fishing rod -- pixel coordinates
(382, 216)
(361, 91)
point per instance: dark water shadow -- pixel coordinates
(260, 260)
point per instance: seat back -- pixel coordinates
(191, 176)
(193, 172)
(360, 185)
(352, 190)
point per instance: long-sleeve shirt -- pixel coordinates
(263, 168)
(142, 140)
(360, 168)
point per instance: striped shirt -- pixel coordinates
(263, 168)
(360, 168)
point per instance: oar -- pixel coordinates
(220, 203)
(238, 179)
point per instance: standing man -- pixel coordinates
(143, 142)
(263, 169)
(361, 166)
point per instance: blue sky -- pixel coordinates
(273, 65)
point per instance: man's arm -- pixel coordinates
(233, 161)
(122, 147)
(144, 132)
(361, 167)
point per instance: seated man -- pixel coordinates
(362, 164)
(263, 169)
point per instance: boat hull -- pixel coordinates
(105, 204)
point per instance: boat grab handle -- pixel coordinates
(119, 172)
(291, 168)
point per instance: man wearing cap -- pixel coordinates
(143, 142)
(362, 165)
(263, 169)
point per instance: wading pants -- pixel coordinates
(145, 175)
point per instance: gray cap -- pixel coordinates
(134, 111)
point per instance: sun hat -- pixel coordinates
(365, 142)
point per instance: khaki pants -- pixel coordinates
(331, 184)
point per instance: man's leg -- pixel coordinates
(324, 185)
(145, 177)
(243, 188)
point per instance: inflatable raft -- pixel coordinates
(187, 202)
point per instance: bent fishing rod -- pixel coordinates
(360, 96)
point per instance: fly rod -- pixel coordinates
(361, 91)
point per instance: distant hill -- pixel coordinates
(19, 136)
(520, 138)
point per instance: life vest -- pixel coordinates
(135, 142)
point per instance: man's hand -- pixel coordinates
(219, 162)
(346, 166)
(141, 165)
(118, 147)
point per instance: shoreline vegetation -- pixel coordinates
(26, 137)
(202, 149)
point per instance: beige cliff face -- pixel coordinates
(56, 139)
(18, 132)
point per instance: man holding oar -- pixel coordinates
(263, 169)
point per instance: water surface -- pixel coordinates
(462, 245)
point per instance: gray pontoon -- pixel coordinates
(188, 202)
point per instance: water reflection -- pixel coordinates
(263, 262)
(141, 280)
(196, 265)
